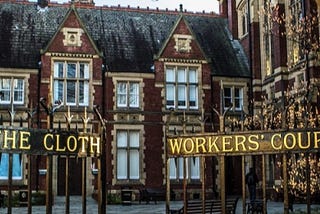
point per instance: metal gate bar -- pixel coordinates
(243, 167)
(285, 185)
(29, 186)
(222, 184)
(10, 184)
(264, 192)
(67, 206)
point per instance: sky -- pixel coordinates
(189, 5)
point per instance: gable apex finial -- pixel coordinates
(72, 4)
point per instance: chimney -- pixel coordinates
(83, 2)
(43, 3)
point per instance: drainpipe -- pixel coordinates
(213, 158)
(251, 103)
(104, 146)
(38, 120)
(38, 94)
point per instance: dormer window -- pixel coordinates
(72, 36)
(182, 43)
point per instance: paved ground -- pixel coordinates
(135, 208)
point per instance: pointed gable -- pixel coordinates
(131, 40)
(72, 37)
(182, 43)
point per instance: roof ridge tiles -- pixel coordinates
(147, 9)
(128, 8)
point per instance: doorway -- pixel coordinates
(75, 176)
(233, 175)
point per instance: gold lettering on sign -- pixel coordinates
(200, 145)
(275, 141)
(83, 141)
(56, 143)
(24, 140)
(253, 142)
(95, 144)
(72, 143)
(262, 142)
(316, 140)
(213, 144)
(307, 142)
(240, 141)
(289, 141)
(45, 143)
(58, 148)
(8, 138)
(188, 145)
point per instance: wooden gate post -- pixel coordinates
(67, 192)
(102, 177)
(168, 120)
(243, 167)
(50, 110)
(167, 185)
(49, 185)
(31, 113)
(264, 193)
(185, 184)
(68, 117)
(184, 121)
(222, 116)
(84, 185)
(83, 154)
(10, 183)
(308, 190)
(202, 167)
(285, 184)
(223, 184)
(29, 185)
(12, 114)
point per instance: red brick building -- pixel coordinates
(150, 72)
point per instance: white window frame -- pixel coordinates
(128, 94)
(128, 155)
(192, 168)
(17, 166)
(182, 87)
(12, 92)
(79, 80)
(243, 20)
(297, 47)
(233, 97)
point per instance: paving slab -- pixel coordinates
(136, 208)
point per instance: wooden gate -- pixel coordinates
(75, 176)
(285, 132)
(71, 148)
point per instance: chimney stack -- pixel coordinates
(181, 8)
(43, 3)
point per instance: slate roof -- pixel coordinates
(129, 40)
